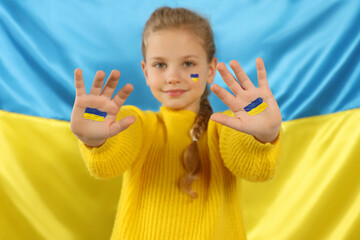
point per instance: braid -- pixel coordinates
(191, 160)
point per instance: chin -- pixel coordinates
(174, 106)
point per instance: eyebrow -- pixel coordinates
(184, 57)
(190, 56)
(156, 58)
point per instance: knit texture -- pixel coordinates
(148, 155)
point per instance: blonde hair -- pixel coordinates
(167, 18)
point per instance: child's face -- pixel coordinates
(171, 57)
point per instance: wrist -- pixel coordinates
(268, 138)
(93, 144)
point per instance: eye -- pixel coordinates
(188, 64)
(160, 65)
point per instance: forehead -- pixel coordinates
(173, 43)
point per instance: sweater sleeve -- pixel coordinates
(246, 157)
(118, 153)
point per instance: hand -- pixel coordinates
(94, 133)
(264, 126)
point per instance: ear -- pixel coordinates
(143, 66)
(212, 70)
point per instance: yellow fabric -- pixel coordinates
(149, 154)
(45, 190)
(47, 193)
(316, 191)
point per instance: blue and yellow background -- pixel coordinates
(311, 51)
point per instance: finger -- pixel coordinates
(121, 125)
(261, 73)
(241, 75)
(234, 123)
(229, 79)
(123, 94)
(79, 82)
(224, 95)
(111, 84)
(98, 83)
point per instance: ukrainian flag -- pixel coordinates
(311, 51)
(94, 114)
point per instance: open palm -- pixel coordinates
(94, 133)
(264, 126)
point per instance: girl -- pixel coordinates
(180, 170)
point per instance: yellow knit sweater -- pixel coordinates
(148, 154)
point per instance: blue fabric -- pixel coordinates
(310, 48)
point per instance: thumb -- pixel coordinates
(121, 125)
(231, 122)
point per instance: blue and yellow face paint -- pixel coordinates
(194, 77)
(94, 114)
(256, 107)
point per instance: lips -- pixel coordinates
(175, 92)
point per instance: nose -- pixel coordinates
(173, 76)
